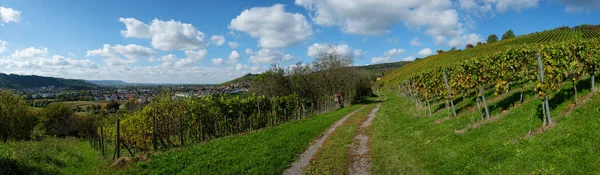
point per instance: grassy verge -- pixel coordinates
(50, 156)
(403, 143)
(332, 157)
(267, 151)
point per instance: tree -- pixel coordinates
(509, 34)
(16, 120)
(113, 106)
(469, 46)
(479, 44)
(57, 119)
(492, 38)
(440, 51)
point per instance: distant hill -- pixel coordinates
(246, 78)
(31, 81)
(107, 82)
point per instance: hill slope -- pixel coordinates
(31, 81)
(448, 58)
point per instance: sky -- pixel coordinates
(213, 41)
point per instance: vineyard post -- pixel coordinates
(487, 112)
(415, 96)
(102, 140)
(545, 95)
(593, 80)
(448, 88)
(117, 146)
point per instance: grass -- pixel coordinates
(332, 158)
(413, 144)
(50, 156)
(84, 104)
(268, 151)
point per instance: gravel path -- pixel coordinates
(297, 167)
(359, 150)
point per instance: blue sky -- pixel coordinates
(194, 41)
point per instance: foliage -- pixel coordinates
(492, 38)
(508, 35)
(16, 120)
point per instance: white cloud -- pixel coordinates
(196, 55)
(410, 58)
(517, 5)
(436, 18)
(484, 8)
(130, 51)
(234, 34)
(416, 42)
(248, 51)
(393, 52)
(273, 27)
(165, 35)
(169, 58)
(288, 57)
(218, 61)
(3, 46)
(377, 60)
(239, 66)
(113, 54)
(30, 53)
(217, 40)
(425, 52)
(233, 57)
(342, 49)
(575, 6)
(268, 56)
(8, 15)
(233, 44)
(35, 59)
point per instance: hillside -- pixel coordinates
(246, 78)
(448, 58)
(32, 81)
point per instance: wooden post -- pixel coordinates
(487, 112)
(102, 140)
(449, 94)
(545, 95)
(117, 145)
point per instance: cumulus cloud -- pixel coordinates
(217, 40)
(425, 52)
(233, 57)
(8, 15)
(393, 52)
(575, 6)
(273, 27)
(484, 8)
(392, 40)
(38, 59)
(113, 54)
(409, 58)
(168, 58)
(3, 46)
(165, 35)
(342, 49)
(416, 42)
(377, 60)
(196, 55)
(233, 45)
(437, 18)
(268, 56)
(248, 51)
(217, 61)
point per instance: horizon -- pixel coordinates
(197, 43)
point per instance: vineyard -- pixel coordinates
(555, 65)
(172, 122)
(453, 57)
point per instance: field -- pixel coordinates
(84, 104)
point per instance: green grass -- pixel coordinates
(50, 156)
(332, 157)
(405, 143)
(268, 151)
